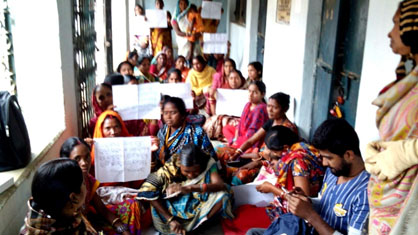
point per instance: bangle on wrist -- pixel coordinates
(170, 219)
(204, 188)
(114, 221)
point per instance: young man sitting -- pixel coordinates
(342, 206)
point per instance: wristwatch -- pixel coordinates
(121, 228)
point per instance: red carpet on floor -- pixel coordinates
(246, 217)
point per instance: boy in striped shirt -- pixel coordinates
(342, 206)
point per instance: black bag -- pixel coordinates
(15, 149)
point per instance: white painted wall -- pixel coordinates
(45, 78)
(284, 51)
(236, 35)
(379, 64)
(120, 32)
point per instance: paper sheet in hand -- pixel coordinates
(215, 43)
(135, 102)
(211, 10)
(156, 18)
(248, 194)
(231, 102)
(140, 26)
(180, 90)
(122, 159)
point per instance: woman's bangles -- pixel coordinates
(203, 188)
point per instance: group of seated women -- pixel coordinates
(183, 158)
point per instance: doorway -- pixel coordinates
(339, 60)
(261, 30)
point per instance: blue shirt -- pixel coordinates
(344, 205)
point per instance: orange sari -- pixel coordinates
(98, 133)
(129, 211)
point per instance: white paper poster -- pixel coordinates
(248, 194)
(216, 43)
(149, 101)
(156, 18)
(211, 10)
(231, 102)
(135, 102)
(140, 26)
(180, 90)
(122, 159)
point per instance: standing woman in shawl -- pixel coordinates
(393, 161)
(77, 149)
(200, 78)
(161, 37)
(177, 132)
(180, 24)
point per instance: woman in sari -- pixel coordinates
(393, 161)
(253, 118)
(144, 75)
(161, 37)
(125, 68)
(214, 124)
(288, 164)
(160, 69)
(277, 106)
(102, 100)
(186, 191)
(255, 72)
(77, 149)
(58, 193)
(220, 80)
(177, 132)
(180, 24)
(200, 78)
(180, 64)
(110, 125)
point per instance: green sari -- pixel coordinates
(189, 209)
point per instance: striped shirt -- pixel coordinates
(344, 206)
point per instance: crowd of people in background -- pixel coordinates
(324, 186)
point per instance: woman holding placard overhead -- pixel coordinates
(177, 132)
(161, 37)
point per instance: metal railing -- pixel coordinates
(84, 39)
